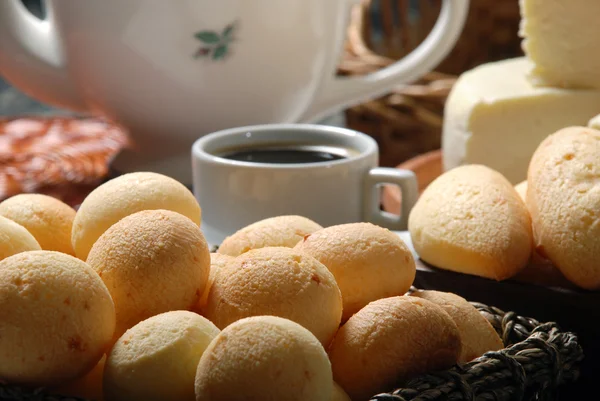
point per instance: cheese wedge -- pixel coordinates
(494, 116)
(562, 38)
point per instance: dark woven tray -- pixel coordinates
(538, 358)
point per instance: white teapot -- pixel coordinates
(172, 71)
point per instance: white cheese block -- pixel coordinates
(494, 116)
(562, 38)
(595, 122)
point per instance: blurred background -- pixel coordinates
(390, 29)
(406, 122)
(12, 101)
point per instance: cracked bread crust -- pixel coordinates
(471, 220)
(564, 200)
(284, 231)
(390, 340)
(476, 333)
(269, 358)
(276, 281)
(369, 262)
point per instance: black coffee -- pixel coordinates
(288, 155)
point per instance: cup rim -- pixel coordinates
(199, 152)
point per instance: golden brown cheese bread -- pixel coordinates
(276, 281)
(369, 262)
(536, 259)
(390, 340)
(264, 358)
(49, 220)
(284, 231)
(477, 335)
(125, 195)
(152, 262)
(217, 261)
(471, 220)
(14, 238)
(563, 197)
(88, 386)
(156, 359)
(56, 318)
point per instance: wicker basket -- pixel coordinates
(407, 122)
(538, 358)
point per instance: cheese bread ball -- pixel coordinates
(217, 261)
(48, 219)
(521, 189)
(56, 318)
(14, 238)
(276, 281)
(476, 334)
(535, 258)
(284, 231)
(264, 358)
(471, 220)
(157, 358)
(369, 262)
(152, 261)
(338, 393)
(564, 199)
(88, 386)
(392, 339)
(125, 195)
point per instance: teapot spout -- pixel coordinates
(31, 56)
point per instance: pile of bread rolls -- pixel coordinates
(122, 300)
(472, 220)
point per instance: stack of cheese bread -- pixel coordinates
(498, 113)
(122, 300)
(472, 220)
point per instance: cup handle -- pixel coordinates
(406, 180)
(341, 92)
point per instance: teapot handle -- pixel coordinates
(31, 57)
(340, 92)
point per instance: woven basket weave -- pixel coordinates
(538, 358)
(408, 121)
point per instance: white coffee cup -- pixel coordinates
(234, 193)
(171, 71)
